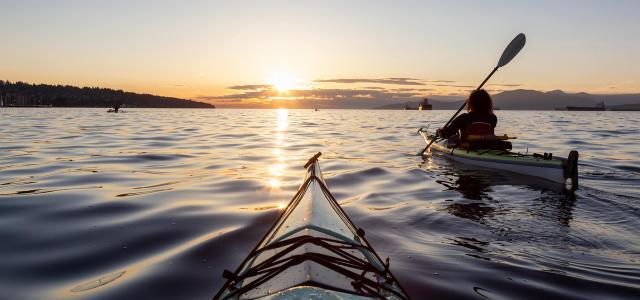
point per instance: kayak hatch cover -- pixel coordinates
(312, 251)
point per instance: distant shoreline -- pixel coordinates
(22, 94)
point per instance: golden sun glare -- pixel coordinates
(283, 82)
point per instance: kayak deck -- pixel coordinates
(312, 249)
(556, 169)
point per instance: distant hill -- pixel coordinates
(25, 94)
(535, 100)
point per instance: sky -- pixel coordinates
(248, 52)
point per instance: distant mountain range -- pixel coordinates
(25, 94)
(535, 100)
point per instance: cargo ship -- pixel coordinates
(425, 105)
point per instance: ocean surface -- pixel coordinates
(156, 203)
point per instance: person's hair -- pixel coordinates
(480, 103)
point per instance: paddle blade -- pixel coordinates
(512, 50)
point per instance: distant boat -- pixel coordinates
(425, 105)
(599, 107)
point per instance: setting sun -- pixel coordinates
(283, 82)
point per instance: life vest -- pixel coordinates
(487, 140)
(477, 128)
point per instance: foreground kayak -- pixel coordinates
(312, 251)
(560, 170)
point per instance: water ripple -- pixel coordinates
(105, 206)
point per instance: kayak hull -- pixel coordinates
(554, 169)
(308, 292)
(551, 174)
(312, 251)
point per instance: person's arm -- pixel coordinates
(494, 121)
(454, 127)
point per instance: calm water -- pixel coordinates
(154, 204)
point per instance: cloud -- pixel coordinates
(439, 81)
(390, 80)
(226, 100)
(505, 84)
(410, 90)
(258, 94)
(317, 97)
(317, 93)
(380, 91)
(251, 87)
(453, 85)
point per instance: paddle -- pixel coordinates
(509, 53)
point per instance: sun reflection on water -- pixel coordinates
(274, 183)
(277, 170)
(283, 119)
(279, 139)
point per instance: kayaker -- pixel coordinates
(478, 120)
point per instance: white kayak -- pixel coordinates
(312, 251)
(555, 169)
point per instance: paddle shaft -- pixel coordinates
(459, 110)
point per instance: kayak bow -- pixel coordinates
(312, 251)
(554, 169)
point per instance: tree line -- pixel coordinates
(27, 94)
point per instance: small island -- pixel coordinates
(21, 94)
